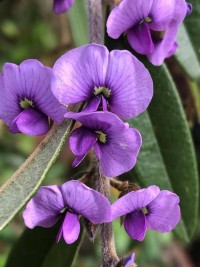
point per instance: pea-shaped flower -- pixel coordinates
(151, 25)
(114, 143)
(147, 208)
(61, 6)
(66, 202)
(26, 99)
(117, 80)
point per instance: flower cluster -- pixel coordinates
(143, 209)
(110, 84)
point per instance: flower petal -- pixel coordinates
(164, 47)
(139, 37)
(31, 80)
(98, 121)
(44, 208)
(70, 228)
(86, 202)
(164, 12)
(120, 153)
(78, 72)
(130, 83)
(30, 122)
(164, 212)
(82, 140)
(92, 104)
(35, 82)
(9, 106)
(134, 201)
(135, 225)
(126, 15)
(61, 6)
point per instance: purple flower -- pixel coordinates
(67, 201)
(147, 208)
(26, 100)
(151, 25)
(115, 144)
(117, 80)
(61, 6)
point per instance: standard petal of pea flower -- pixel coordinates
(114, 81)
(66, 202)
(151, 25)
(114, 143)
(147, 208)
(26, 99)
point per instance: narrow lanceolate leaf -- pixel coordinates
(175, 142)
(186, 55)
(167, 158)
(23, 184)
(150, 168)
(79, 23)
(192, 24)
(38, 247)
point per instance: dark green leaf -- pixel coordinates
(38, 248)
(167, 157)
(186, 55)
(23, 184)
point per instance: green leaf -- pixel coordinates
(192, 23)
(167, 157)
(24, 183)
(186, 56)
(79, 23)
(38, 247)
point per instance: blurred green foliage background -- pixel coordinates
(30, 29)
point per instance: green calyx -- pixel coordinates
(102, 90)
(102, 136)
(25, 103)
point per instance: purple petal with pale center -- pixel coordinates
(139, 37)
(86, 202)
(120, 153)
(127, 15)
(163, 212)
(70, 228)
(130, 83)
(61, 6)
(30, 122)
(78, 72)
(135, 225)
(44, 208)
(134, 201)
(30, 80)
